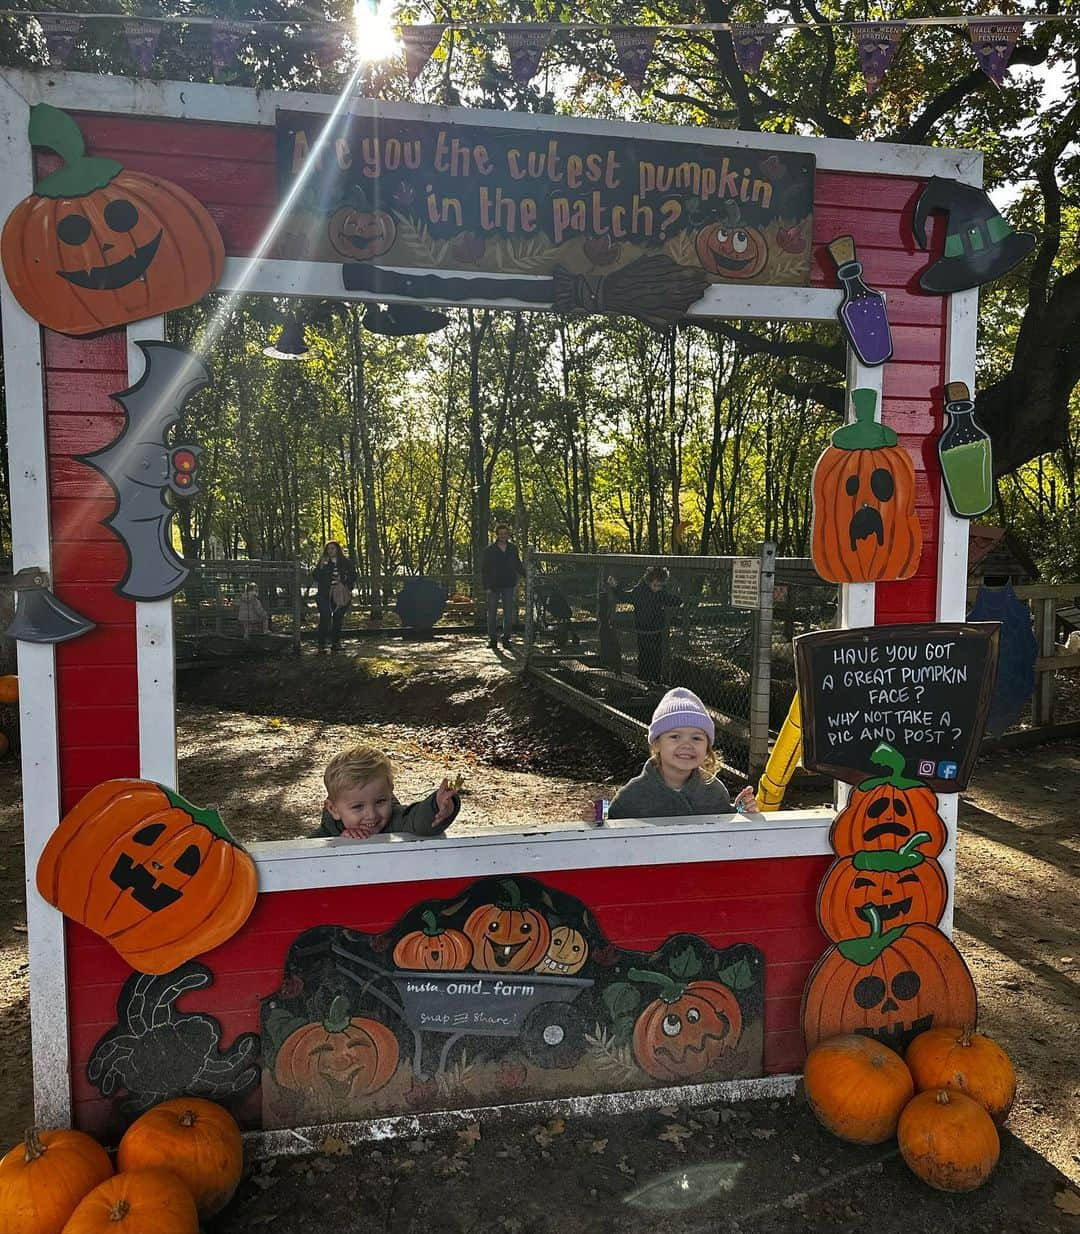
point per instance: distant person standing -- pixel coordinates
(334, 577)
(651, 600)
(499, 571)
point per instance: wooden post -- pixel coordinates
(298, 610)
(530, 592)
(1045, 623)
(761, 669)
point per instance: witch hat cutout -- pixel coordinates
(979, 245)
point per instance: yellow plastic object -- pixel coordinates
(783, 760)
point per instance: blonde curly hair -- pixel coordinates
(354, 767)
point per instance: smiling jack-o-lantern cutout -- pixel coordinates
(507, 935)
(97, 246)
(160, 879)
(733, 252)
(342, 1058)
(902, 886)
(891, 985)
(864, 526)
(432, 948)
(687, 1030)
(567, 953)
(359, 235)
(886, 811)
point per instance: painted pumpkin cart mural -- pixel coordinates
(508, 992)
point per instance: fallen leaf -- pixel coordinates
(556, 1126)
(763, 1133)
(469, 1135)
(597, 1146)
(1068, 1202)
(669, 1111)
(675, 1133)
(20, 928)
(333, 1147)
(625, 1168)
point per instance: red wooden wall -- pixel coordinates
(770, 903)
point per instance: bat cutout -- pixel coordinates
(143, 468)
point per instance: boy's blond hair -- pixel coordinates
(354, 767)
(707, 770)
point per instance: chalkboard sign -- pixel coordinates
(924, 689)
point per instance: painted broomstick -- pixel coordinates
(653, 289)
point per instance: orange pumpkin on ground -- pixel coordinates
(139, 1202)
(44, 1178)
(343, 1057)
(160, 879)
(902, 885)
(96, 246)
(957, 1058)
(886, 811)
(732, 252)
(359, 235)
(196, 1140)
(433, 948)
(507, 936)
(567, 953)
(948, 1140)
(857, 1088)
(891, 986)
(9, 688)
(687, 1030)
(865, 529)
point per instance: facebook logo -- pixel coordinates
(947, 770)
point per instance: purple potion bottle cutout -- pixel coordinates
(862, 311)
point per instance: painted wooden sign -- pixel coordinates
(508, 993)
(865, 528)
(888, 811)
(96, 246)
(921, 690)
(533, 201)
(160, 879)
(862, 313)
(143, 469)
(966, 455)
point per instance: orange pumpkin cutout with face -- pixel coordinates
(433, 949)
(687, 1030)
(507, 935)
(157, 877)
(731, 252)
(360, 235)
(342, 1058)
(891, 985)
(96, 246)
(865, 529)
(567, 953)
(884, 812)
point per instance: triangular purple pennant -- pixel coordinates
(751, 40)
(526, 46)
(142, 40)
(633, 50)
(60, 35)
(420, 42)
(994, 43)
(225, 40)
(877, 43)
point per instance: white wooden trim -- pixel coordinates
(297, 865)
(38, 715)
(236, 105)
(154, 645)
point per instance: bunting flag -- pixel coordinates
(877, 43)
(420, 42)
(225, 40)
(751, 41)
(633, 51)
(526, 48)
(142, 40)
(60, 35)
(994, 43)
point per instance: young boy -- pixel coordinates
(360, 800)
(651, 600)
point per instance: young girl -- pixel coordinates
(680, 776)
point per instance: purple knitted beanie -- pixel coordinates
(680, 708)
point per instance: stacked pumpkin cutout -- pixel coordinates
(893, 982)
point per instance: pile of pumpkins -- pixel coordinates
(177, 1163)
(944, 1100)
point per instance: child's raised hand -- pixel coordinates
(746, 802)
(444, 801)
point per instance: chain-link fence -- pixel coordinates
(610, 633)
(234, 607)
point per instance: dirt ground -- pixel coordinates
(254, 738)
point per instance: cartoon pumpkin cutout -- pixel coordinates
(891, 985)
(902, 886)
(886, 811)
(157, 877)
(567, 953)
(686, 1030)
(507, 935)
(731, 252)
(865, 529)
(96, 246)
(360, 235)
(433, 949)
(343, 1057)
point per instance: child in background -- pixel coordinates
(250, 612)
(650, 599)
(680, 775)
(360, 800)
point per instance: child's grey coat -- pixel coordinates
(648, 796)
